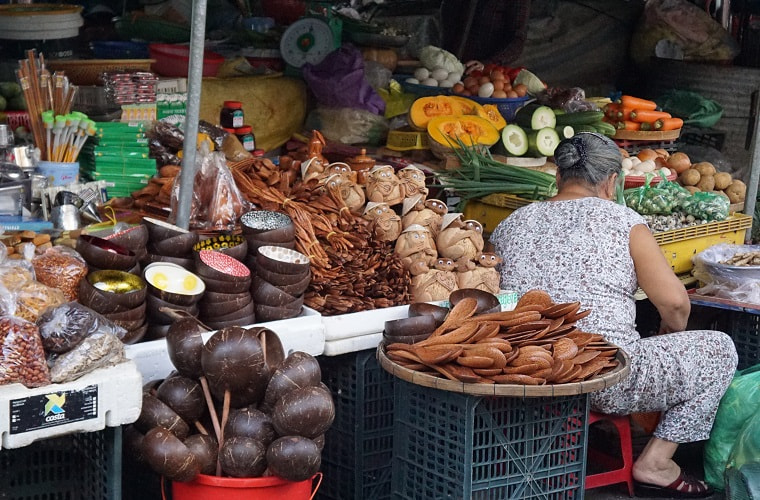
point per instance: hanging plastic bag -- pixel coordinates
(339, 82)
(694, 108)
(740, 402)
(707, 205)
(349, 125)
(217, 203)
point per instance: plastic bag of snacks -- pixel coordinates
(22, 358)
(62, 268)
(64, 327)
(33, 298)
(99, 350)
(708, 206)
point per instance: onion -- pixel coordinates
(679, 162)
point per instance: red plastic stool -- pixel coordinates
(623, 474)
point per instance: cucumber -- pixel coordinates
(584, 128)
(515, 140)
(565, 132)
(605, 128)
(580, 118)
(536, 117)
(543, 142)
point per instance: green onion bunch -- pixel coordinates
(479, 174)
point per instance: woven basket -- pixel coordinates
(88, 71)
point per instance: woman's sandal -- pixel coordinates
(685, 486)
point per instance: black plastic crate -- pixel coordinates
(82, 466)
(744, 329)
(703, 137)
(457, 446)
(356, 460)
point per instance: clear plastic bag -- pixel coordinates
(64, 327)
(726, 281)
(33, 298)
(677, 192)
(62, 268)
(708, 206)
(648, 200)
(99, 350)
(22, 358)
(217, 202)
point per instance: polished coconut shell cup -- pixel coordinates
(264, 292)
(112, 291)
(266, 221)
(280, 279)
(136, 335)
(242, 322)
(208, 310)
(163, 317)
(487, 302)
(412, 326)
(180, 245)
(233, 245)
(424, 309)
(235, 287)
(104, 254)
(173, 284)
(128, 315)
(243, 312)
(134, 238)
(184, 344)
(221, 267)
(150, 258)
(156, 331)
(159, 230)
(282, 260)
(266, 313)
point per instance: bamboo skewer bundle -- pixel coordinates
(45, 94)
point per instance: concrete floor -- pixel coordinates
(688, 456)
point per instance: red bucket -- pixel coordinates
(205, 487)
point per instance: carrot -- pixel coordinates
(647, 126)
(611, 110)
(624, 113)
(668, 124)
(643, 115)
(629, 101)
(628, 125)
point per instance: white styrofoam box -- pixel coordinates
(303, 333)
(361, 323)
(106, 397)
(352, 344)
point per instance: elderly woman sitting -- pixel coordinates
(580, 245)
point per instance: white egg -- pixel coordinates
(485, 90)
(447, 83)
(421, 73)
(454, 76)
(432, 82)
(439, 74)
(665, 170)
(412, 80)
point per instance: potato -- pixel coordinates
(722, 180)
(706, 183)
(692, 189)
(737, 191)
(690, 177)
(720, 193)
(704, 168)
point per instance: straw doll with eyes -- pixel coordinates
(426, 213)
(413, 181)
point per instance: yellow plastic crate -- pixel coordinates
(492, 209)
(679, 245)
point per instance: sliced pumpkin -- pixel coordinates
(466, 106)
(491, 113)
(426, 108)
(469, 129)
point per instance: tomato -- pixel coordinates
(512, 73)
(477, 73)
(488, 68)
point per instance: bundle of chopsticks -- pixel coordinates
(58, 133)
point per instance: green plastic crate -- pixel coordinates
(458, 446)
(82, 466)
(356, 460)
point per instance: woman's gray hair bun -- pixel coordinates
(588, 157)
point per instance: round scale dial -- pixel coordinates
(307, 40)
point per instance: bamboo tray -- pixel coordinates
(514, 390)
(654, 135)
